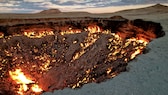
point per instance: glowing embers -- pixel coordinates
(121, 51)
(125, 48)
(139, 46)
(118, 46)
(93, 35)
(36, 88)
(38, 32)
(24, 82)
(70, 31)
(1, 35)
(91, 29)
(86, 79)
(94, 29)
(45, 62)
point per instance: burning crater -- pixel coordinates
(44, 56)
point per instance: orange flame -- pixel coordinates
(70, 31)
(1, 35)
(94, 28)
(38, 32)
(36, 88)
(139, 50)
(19, 77)
(135, 53)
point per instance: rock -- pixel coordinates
(50, 11)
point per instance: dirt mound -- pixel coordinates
(159, 6)
(50, 11)
(118, 18)
(151, 10)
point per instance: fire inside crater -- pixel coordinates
(19, 77)
(53, 55)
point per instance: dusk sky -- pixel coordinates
(94, 6)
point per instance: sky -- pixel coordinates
(93, 6)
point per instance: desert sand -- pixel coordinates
(147, 75)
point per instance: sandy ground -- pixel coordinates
(147, 75)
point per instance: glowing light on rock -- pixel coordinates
(19, 77)
(23, 81)
(92, 37)
(1, 35)
(38, 32)
(135, 53)
(70, 31)
(94, 29)
(36, 88)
